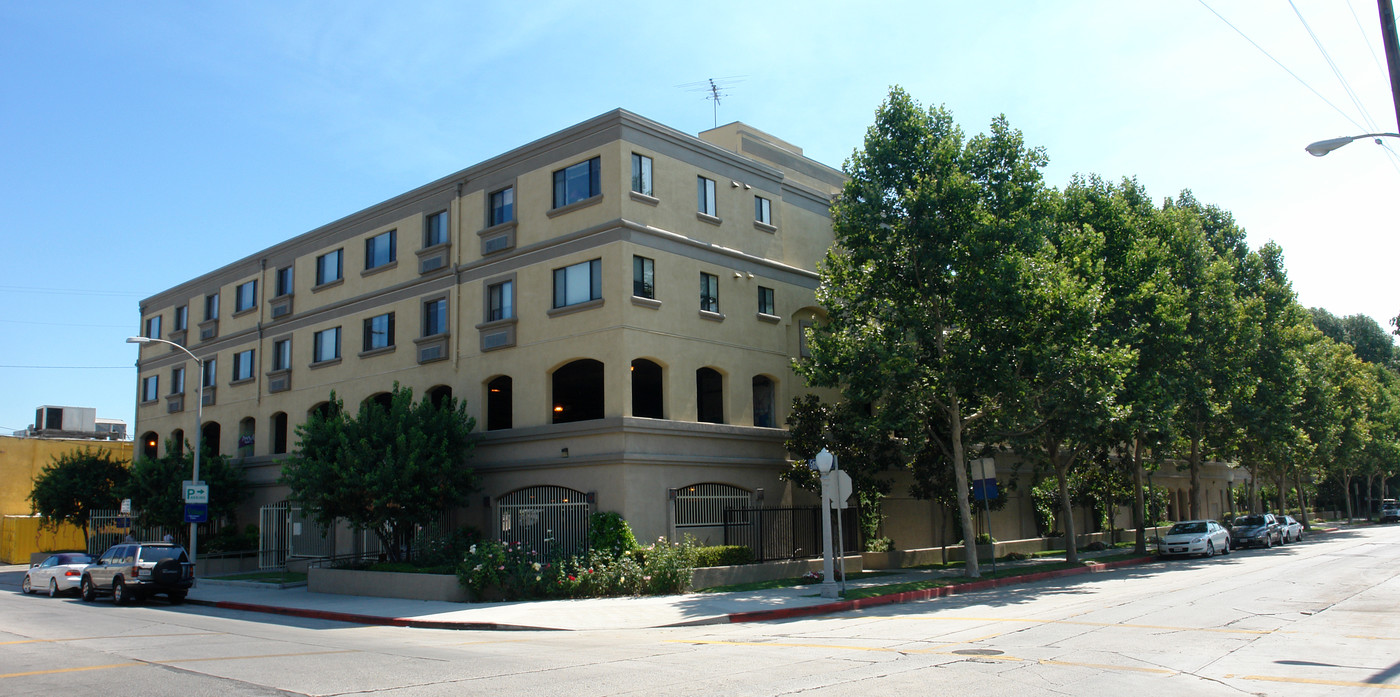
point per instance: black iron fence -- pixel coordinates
(785, 533)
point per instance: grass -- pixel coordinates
(891, 589)
(267, 577)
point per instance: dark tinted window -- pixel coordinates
(159, 553)
(73, 559)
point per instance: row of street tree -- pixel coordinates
(972, 307)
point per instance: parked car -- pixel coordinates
(135, 570)
(1290, 530)
(1256, 529)
(1203, 537)
(59, 573)
(1390, 511)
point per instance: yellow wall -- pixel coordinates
(21, 460)
(21, 536)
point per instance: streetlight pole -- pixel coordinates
(1322, 147)
(822, 463)
(198, 419)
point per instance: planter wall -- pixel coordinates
(386, 584)
(711, 576)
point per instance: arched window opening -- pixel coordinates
(550, 520)
(763, 401)
(647, 399)
(440, 395)
(246, 430)
(499, 404)
(177, 442)
(210, 439)
(322, 409)
(383, 400)
(149, 440)
(279, 433)
(578, 391)
(709, 396)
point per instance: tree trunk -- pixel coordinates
(1254, 505)
(960, 481)
(1195, 461)
(1066, 508)
(1139, 507)
(1370, 487)
(1282, 491)
(1346, 493)
(1302, 497)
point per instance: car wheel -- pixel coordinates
(87, 590)
(1229, 545)
(120, 595)
(176, 597)
(1268, 541)
(1210, 548)
(26, 586)
(53, 588)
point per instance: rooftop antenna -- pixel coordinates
(714, 88)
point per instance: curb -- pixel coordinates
(928, 593)
(357, 618)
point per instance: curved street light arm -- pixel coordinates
(1322, 147)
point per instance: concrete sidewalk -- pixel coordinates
(600, 613)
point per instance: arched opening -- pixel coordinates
(578, 391)
(439, 395)
(209, 438)
(499, 404)
(321, 409)
(547, 519)
(646, 390)
(279, 433)
(177, 442)
(764, 415)
(246, 430)
(383, 400)
(149, 441)
(709, 396)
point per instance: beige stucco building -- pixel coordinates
(618, 303)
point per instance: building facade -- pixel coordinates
(619, 304)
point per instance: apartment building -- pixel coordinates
(619, 304)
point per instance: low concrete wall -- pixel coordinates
(223, 565)
(934, 555)
(386, 584)
(711, 576)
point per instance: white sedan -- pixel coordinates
(59, 573)
(1203, 537)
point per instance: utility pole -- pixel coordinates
(1392, 51)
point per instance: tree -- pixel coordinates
(76, 483)
(155, 486)
(388, 469)
(932, 283)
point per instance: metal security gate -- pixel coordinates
(108, 527)
(552, 520)
(285, 532)
(784, 533)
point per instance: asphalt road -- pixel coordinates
(1317, 618)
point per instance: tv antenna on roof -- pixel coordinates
(714, 88)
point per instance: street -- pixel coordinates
(1317, 618)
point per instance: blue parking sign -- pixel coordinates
(196, 513)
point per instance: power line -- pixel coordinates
(70, 291)
(1366, 40)
(1346, 86)
(69, 367)
(65, 324)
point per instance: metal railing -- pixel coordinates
(784, 533)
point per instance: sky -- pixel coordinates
(144, 144)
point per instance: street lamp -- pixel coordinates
(823, 463)
(1322, 147)
(198, 419)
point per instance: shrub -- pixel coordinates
(609, 532)
(446, 550)
(879, 544)
(723, 555)
(230, 539)
(508, 570)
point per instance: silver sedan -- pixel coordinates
(1203, 537)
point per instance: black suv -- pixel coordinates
(134, 570)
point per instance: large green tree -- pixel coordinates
(76, 483)
(387, 469)
(155, 484)
(933, 283)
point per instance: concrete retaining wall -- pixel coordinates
(386, 584)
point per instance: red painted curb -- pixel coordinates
(927, 593)
(351, 617)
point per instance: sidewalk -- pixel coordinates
(599, 613)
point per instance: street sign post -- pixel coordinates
(196, 492)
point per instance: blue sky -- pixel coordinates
(144, 144)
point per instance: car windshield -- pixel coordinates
(1250, 520)
(1187, 528)
(159, 553)
(74, 559)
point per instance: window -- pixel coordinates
(579, 283)
(705, 195)
(500, 301)
(379, 332)
(380, 249)
(211, 306)
(576, 183)
(643, 278)
(284, 280)
(502, 207)
(243, 365)
(641, 174)
(282, 354)
(763, 400)
(709, 396)
(435, 317)
(765, 301)
(279, 433)
(647, 402)
(328, 267)
(435, 229)
(177, 380)
(578, 391)
(245, 296)
(763, 210)
(210, 372)
(182, 318)
(498, 404)
(150, 388)
(153, 327)
(709, 292)
(327, 345)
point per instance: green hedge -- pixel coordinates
(723, 555)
